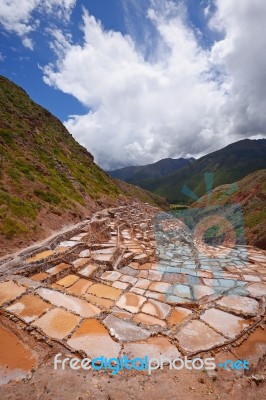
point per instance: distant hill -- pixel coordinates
(47, 179)
(229, 164)
(144, 174)
(141, 194)
(251, 195)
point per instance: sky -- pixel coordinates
(135, 81)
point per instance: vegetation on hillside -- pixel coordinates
(43, 170)
(250, 194)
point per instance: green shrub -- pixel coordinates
(48, 197)
(9, 228)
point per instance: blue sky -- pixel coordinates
(137, 81)
(22, 65)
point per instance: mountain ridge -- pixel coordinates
(142, 174)
(228, 164)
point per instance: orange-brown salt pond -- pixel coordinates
(254, 347)
(16, 360)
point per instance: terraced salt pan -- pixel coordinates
(85, 253)
(27, 282)
(149, 320)
(120, 285)
(118, 312)
(68, 243)
(155, 295)
(102, 258)
(108, 250)
(41, 276)
(93, 338)
(57, 323)
(227, 324)
(80, 287)
(257, 290)
(29, 307)
(239, 304)
(200, 291)
(153, 279)
(134, 265)
(141, 258)
(58, 268)
(137, 290)
(178, 315)
(131, 302)
(67, 280)
(156, 308)
(135, 249)
(109, 244)
(154, 347)
(133, 272)
(88, 270)
(111, 276)
(80, 262)
(142, 283)
(9, 291)
(77, 238)
(71, 303)
(182, 291)
(160, 287)
(154, 275)
(99, 301)
(107, 292)
(196, 336)
(40, 256)
(254, 347)
(61, 249)
(251, 278)
(125, 331)
(128, 279)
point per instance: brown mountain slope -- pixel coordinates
(250, 193)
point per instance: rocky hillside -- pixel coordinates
(250, 193)
(47, 179)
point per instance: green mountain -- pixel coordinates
(229, 165)
(250, 193)
(47, 179)
(143, 175)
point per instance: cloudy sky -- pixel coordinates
(135, 81)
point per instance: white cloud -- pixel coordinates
(61, 42)
(242, 58)
(17, 15)
(207, 9)
(143, 110)
(2, 57)
(27, 42)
